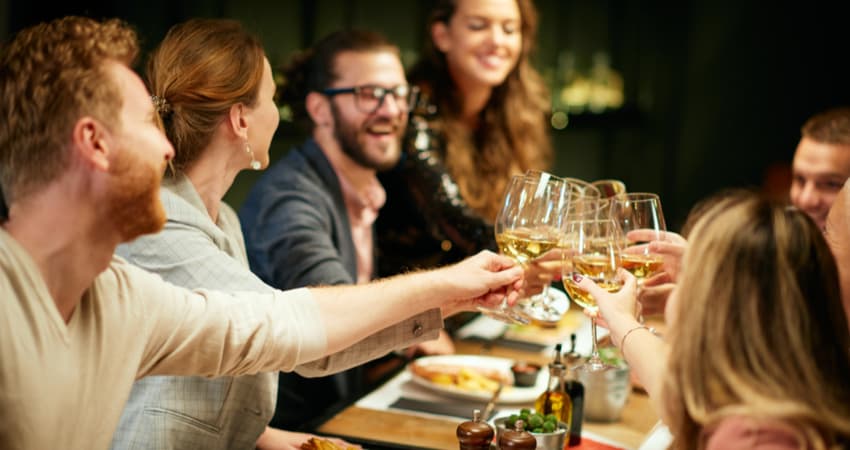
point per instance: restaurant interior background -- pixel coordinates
(679, 98)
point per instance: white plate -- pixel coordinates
(510, 394)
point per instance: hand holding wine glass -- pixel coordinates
(669, 245)
(526, 228)
(591, 251)
(545, 307)
(639, 211)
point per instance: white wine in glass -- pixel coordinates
(526, 227)
(639, 211)
(640, 265)
(597, 268)
(591, 249)
(523, 245)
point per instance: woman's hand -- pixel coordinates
(614, 308)
(670, 246)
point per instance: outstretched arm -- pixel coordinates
(645, 352)
(210, 333)
(483, 279)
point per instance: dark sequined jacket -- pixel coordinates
(425, 222)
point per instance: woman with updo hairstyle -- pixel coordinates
(481, 118)
(757, 353)
(213, 90)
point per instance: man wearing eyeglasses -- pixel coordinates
(308, 220)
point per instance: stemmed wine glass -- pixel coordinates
(526, 227)
(591, 249)
(639, 211)
(609, 188)
(582, 189)
(546, 308)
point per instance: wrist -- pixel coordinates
(631, 333)
(619, 326)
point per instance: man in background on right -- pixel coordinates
(821, 163)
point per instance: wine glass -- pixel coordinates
(609, 188)
(582, 189)
(591, 249)
(526, 227)
(545, 308)
(639, 211)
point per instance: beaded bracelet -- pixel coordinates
(623, 340)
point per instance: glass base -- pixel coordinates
(594, 364)
(506, 315)
(545, 310)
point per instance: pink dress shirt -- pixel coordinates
(362, 209)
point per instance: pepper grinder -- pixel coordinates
(572, 357)
(475, 434)
(518, 438)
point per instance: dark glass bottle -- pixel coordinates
(576, 392)
(556, 400)
(475, 434)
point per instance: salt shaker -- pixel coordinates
(517, 439)
(475, 434)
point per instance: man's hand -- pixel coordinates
(481, 280)
(275, 439)
(542, 271)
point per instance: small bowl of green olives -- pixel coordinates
(548, 431)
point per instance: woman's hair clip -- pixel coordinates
(161, 105)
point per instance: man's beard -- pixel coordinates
(133, 205)
(346, 134)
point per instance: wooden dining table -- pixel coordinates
(398, 429)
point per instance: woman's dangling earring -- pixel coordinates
(254, 163)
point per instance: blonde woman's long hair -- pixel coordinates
(759, 331)
(512, 135)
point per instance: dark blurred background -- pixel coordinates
(713, 92)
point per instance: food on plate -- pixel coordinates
(474, 379)
(322, 444)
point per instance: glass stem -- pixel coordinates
(594, 352)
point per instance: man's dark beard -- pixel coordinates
(346, 135)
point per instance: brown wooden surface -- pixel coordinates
(439, 433)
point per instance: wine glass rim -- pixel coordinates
(636, 196)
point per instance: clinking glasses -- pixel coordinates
(369, 97)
